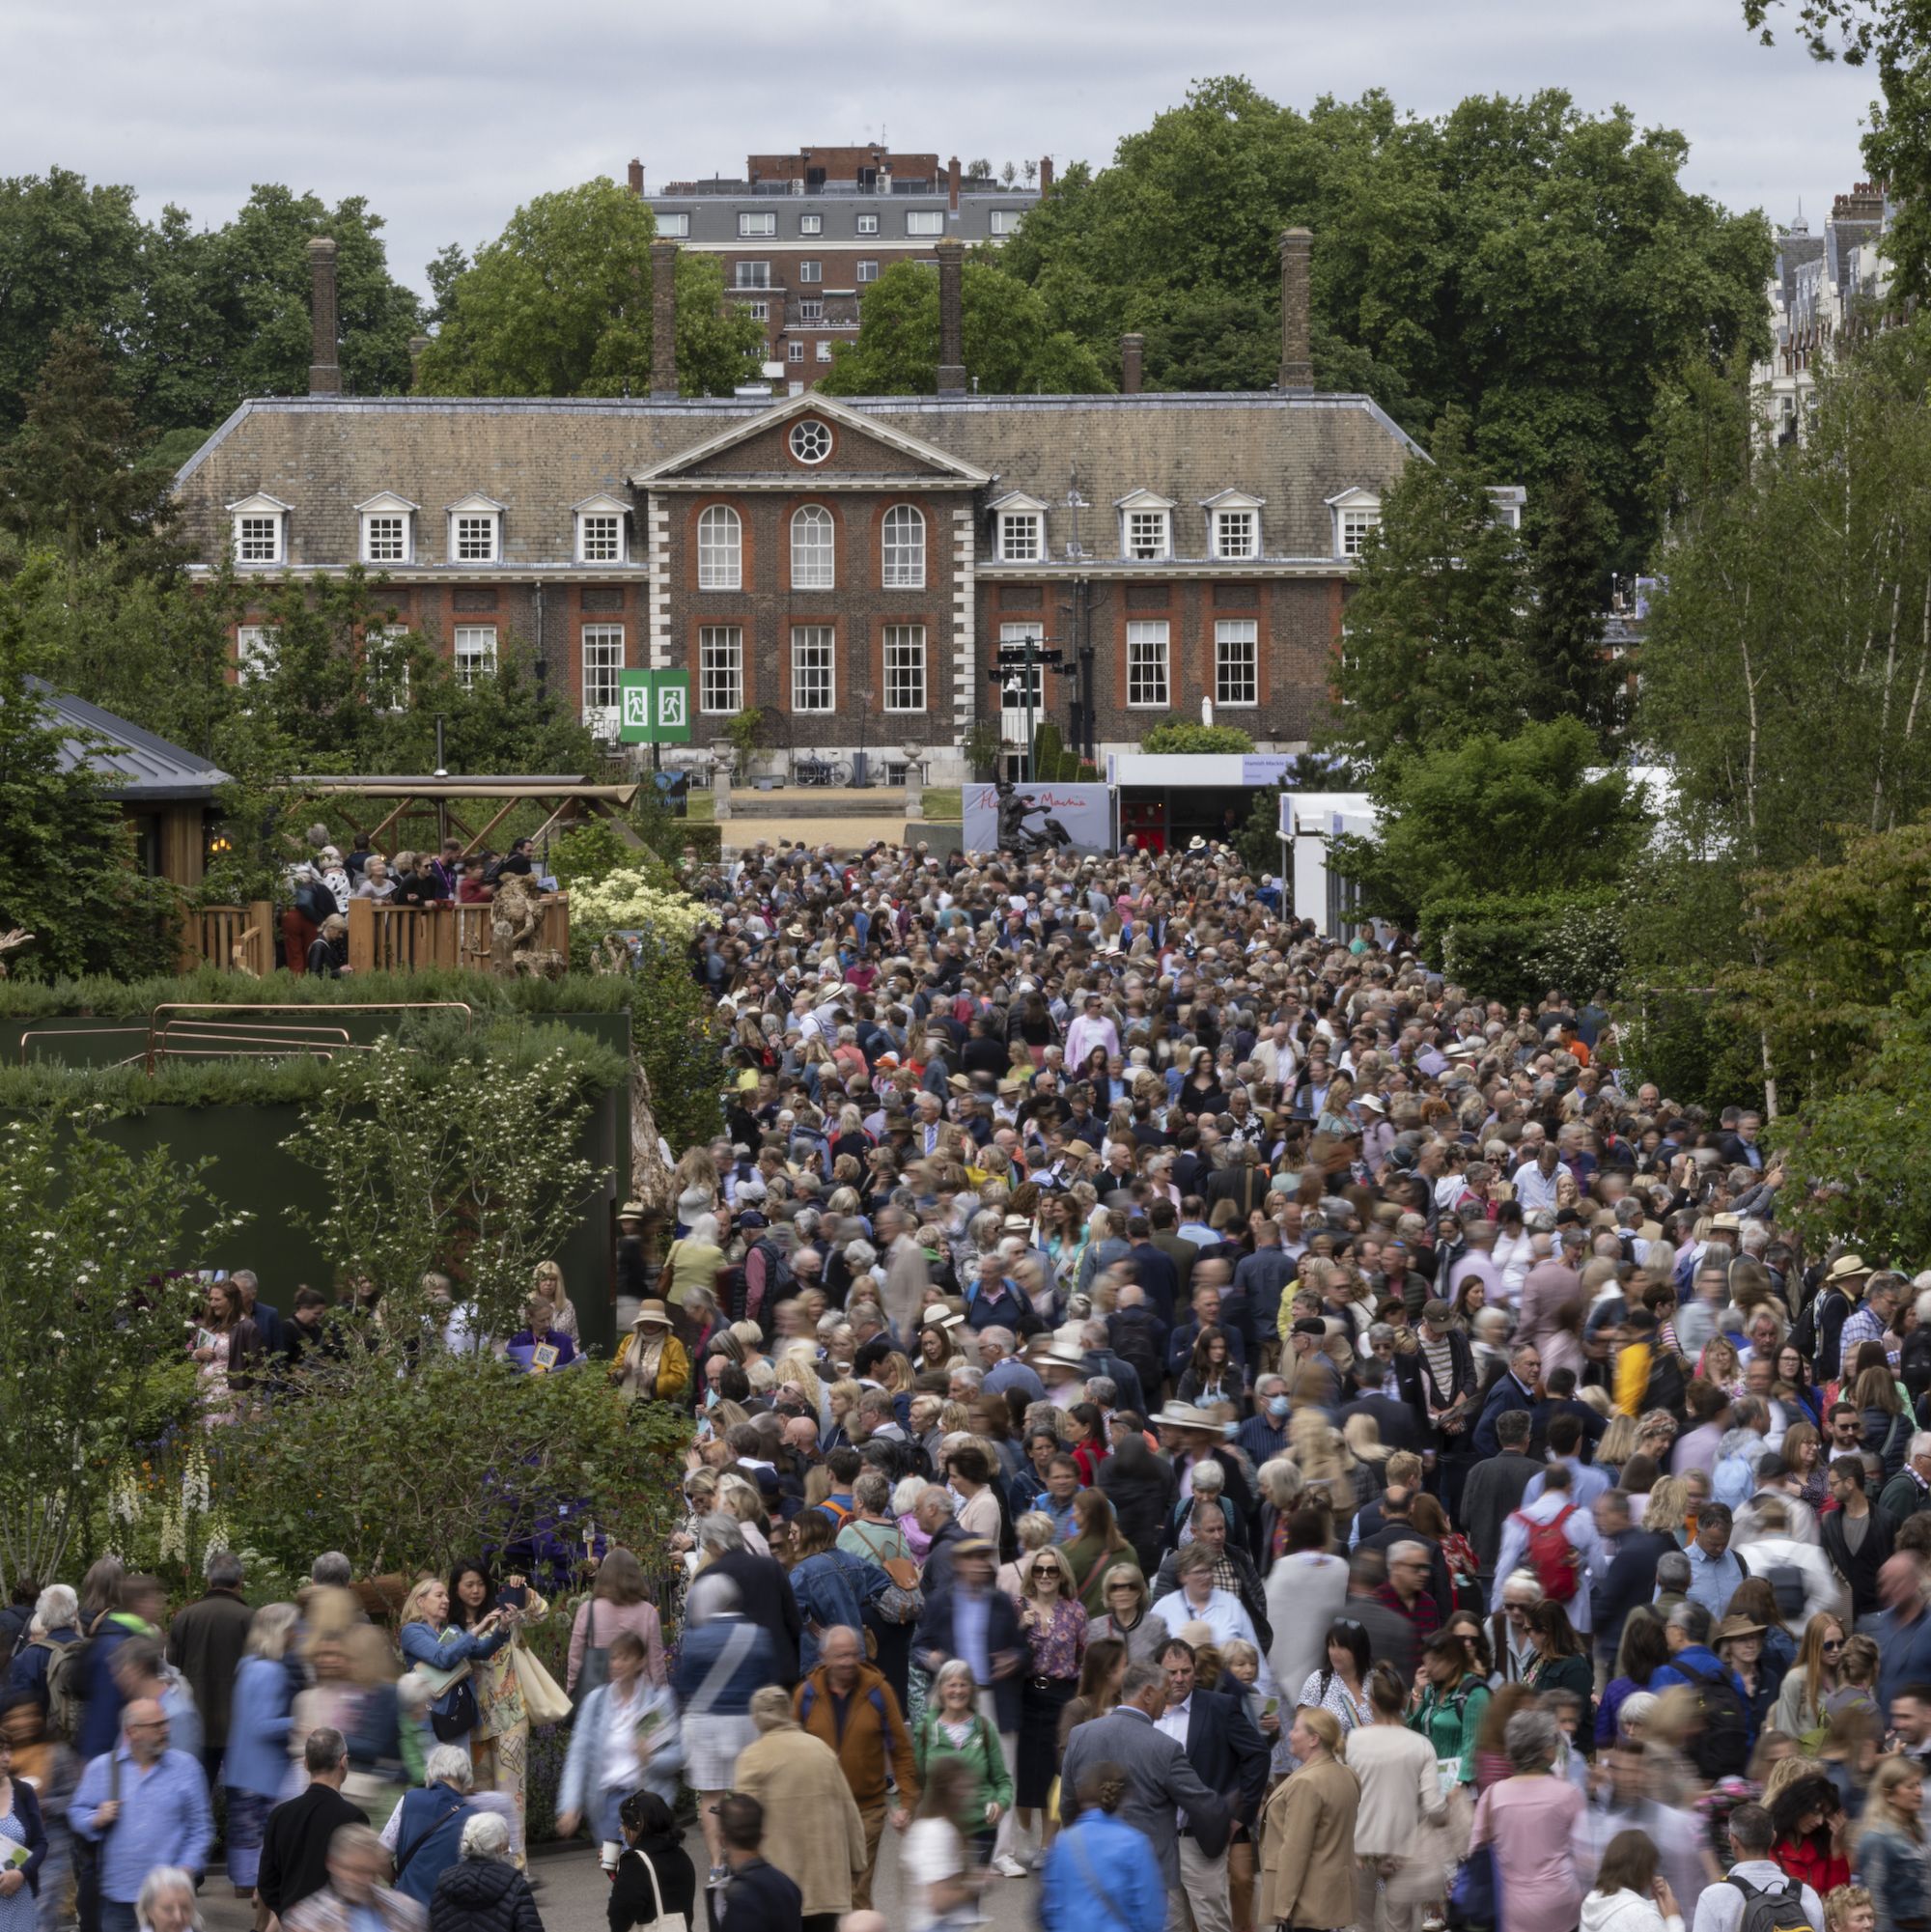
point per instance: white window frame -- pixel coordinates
(757, 225)
(794, 352)
(376, 644)
(387, 531)
(924, 221)
(868, 271)
(254, 646)
(810, 271)
(814, 679)
(902, 555)
(814, 548)
(475, 528)
(1149, 664)
(811, 224)
(868, 224)
(1234, 672)
(674, 227)
(1021, 536)
(1004, 220)
(721, 549)
(823, 352)
(720, 669)
(596, 545)
(750, 274)
(261, 537)
(602, 670)
(473, 652)
(1221, 522)
(759, 311)
(903, 660)
(1146, 534)
(810, 308)
(1355, 521)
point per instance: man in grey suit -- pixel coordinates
(1158, 1779)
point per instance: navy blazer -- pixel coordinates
(1226, 1748)
(1507, 1396)
(931, 1646)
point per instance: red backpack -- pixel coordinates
(1552, 1556)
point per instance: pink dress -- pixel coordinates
(1529, 1821)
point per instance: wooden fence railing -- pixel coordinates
(381, 938)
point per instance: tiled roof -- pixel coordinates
(324, 454)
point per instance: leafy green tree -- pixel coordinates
(70, 256)
(90, 1324)
(71, 475)
(1433, 648)
(1502, 259)
(1009, 346)
(559, 305)
(1570, 670)
(1177, 735)
(1467, 818)
(67, 858)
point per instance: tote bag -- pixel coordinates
(543, 1694)
(661, 1921)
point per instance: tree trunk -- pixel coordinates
(650, 1177)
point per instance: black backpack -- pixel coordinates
(1766, 1911)
(1134, 1346)
(1722, 1748)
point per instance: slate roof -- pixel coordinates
(137, 766)
(324, 454)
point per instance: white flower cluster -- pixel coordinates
(627, 900)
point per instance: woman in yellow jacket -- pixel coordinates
(650, 1364)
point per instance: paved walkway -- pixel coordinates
(572, 1894)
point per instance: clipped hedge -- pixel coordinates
(135, 999)
(1514, 947)
(249, 1082)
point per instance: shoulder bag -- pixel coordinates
(595, 1670)
(543, 1694)
(659, 1919)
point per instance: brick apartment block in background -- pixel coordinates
(801, 235)
(846, 567)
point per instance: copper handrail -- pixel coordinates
(158, 1026)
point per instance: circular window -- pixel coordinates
(810, 441)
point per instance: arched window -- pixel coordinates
(812, 565)
(905, 549)
(721, 550)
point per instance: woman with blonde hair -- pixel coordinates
(1667, 1513)
(1130, 1614)
(1054, 1625)
(428, 1638)
(255, 1764)
(1309, 1867)
(559, 1311)
(737, 1498)
(695, 1181)
(1807, 1683)
(1034, 1530)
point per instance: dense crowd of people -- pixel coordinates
(1208, 1424)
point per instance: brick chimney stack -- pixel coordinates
(417, 344)
(1297, 365)
(951, 318)
(637, 178)
(664, 322)
(1132, 348)
(952, 184)
(1045, 174)
(325, 373)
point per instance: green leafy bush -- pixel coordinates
(1514, 947)
(1177, 735)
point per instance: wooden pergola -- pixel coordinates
(460, 803)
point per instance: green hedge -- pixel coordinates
(1514, 947)
(135, 999)
(238, 1083)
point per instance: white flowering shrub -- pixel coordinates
(632, 901)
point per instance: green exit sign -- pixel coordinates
(655, 707)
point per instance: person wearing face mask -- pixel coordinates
(1263, 1436)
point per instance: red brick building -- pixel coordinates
(846, 567)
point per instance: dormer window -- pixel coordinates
(1233, 525)
(600, 530)
(1020, 529)
(388, 529)
(1507, 499)
(476, 531)
(1146, 527)
(1355, 512)
(261, 530)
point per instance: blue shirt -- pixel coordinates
(971, 1618)
(1713, 1579)
(1101, 1876)
(1586, 1482)
(164, 1818)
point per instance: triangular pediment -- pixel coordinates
(1356, 498)
(1143, 499)
(259, 505)
(1232, 499)
(387, 504)
(762, 451)
(476, 505)
(1017, 499)
(601, 505)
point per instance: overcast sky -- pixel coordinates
(446, 117)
